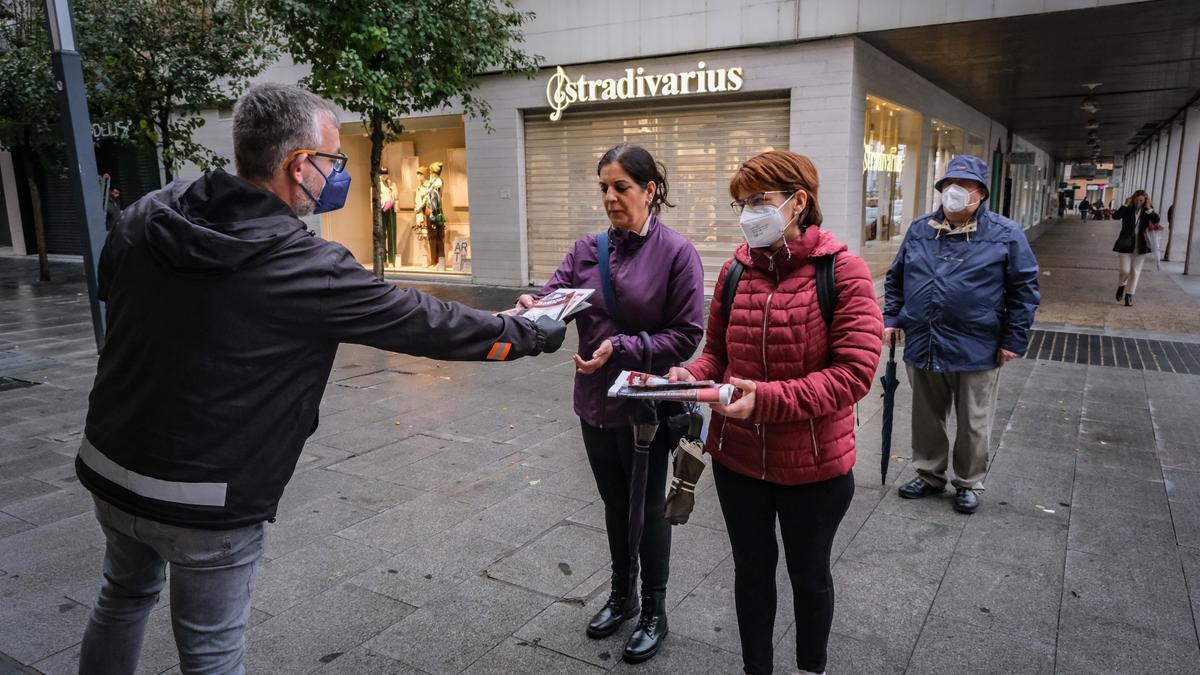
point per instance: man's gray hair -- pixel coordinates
(270, 121)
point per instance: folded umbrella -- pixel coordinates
(645, 426)
(890, 383)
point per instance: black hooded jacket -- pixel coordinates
(224, 316)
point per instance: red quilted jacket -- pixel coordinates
(808, 376)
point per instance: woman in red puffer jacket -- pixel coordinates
(785, 447)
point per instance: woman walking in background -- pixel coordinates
(785, 449)
(1137, 216)
(658, 284)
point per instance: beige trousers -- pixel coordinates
(1131, 270)
(973, 397)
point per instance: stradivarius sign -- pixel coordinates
(562, 90)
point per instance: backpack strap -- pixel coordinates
(827, 293)
(606, 285)
(732, 276)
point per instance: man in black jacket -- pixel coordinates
(224, 317)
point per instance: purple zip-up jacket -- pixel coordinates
(659, 284)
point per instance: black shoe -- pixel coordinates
(1129, 299)
(621, 606)
(966, 501)
(1120, 292)
(651, 629)
(917, 488)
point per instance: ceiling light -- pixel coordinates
(1092, 124)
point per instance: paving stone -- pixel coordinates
(1147, 596)
(1179, 456)
(1182, 486)
(561, 626)
(1116, 433)
(290, 579)
(363, 492)
(61, 539)
(33, 631)
(848, 655)
(335, 621)
(520, 656)
(1135, 463)
(947, 645)
(360, 661)
(591, 515)
(1000, 598)
(907, 545)
(679, 654)
(1090, 645)
(410, 523)
(10, 525)
(555, 562)
(1039, 495)
(301, 526)
(575, 481)
(53, 506)
(519, 519)
(708, 613)
(1113, 489)
(435, 567)
(1129, 537)
(391, 462)
(1002, 534)
(450, 635)
(881, 606)
(1186, 517)
(864, 503)
(17, 489)
(696, 552)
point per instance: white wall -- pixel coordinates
(817, 74)
(584, 31)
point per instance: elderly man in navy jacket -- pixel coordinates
(962, 291)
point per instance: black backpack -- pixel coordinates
(827, 294)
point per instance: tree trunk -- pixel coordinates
(377, 141)
(164, 142)
(39, 222)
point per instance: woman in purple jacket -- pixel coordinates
(658, 283)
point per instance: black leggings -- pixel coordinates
(610, 452)
(809, 516)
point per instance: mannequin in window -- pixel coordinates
(419, 209)
(387, 205)
(435, 220)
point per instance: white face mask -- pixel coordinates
(956, 198)
(763, 225)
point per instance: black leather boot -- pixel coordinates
(651, 629)
(621, 606)
(1120, 292)
(1129, 299)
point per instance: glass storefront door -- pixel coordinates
(891, 147)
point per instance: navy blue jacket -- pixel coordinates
(959, 298)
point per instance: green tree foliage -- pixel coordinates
(28, 110)
(160, 63)
(386, 60)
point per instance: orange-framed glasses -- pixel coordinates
(339, 160)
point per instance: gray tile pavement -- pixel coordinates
(443, 519)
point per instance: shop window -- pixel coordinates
(945, 142)
(891, 157)
(415, 239)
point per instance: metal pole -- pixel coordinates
(81, 154)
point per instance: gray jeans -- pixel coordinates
(212, 575)
(973, 397)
